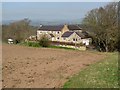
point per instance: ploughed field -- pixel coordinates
(29, 67)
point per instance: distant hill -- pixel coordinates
(45, 22)
(57, 22)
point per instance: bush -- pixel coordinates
(31, 44)
(44, 41)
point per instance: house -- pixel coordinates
(54, 31)
(64, 33)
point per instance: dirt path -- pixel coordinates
(27, 67)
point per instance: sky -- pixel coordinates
(47, 11)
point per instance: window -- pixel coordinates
(76, 39)
(58, 38)
(73, 39)
(40, 32)
(64, 38)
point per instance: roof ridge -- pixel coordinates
(78, 26)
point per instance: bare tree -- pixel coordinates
(105, 26)
(19, 30)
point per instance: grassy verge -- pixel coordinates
(99, 75)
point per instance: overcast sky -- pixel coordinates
(47, 10)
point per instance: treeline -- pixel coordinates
(18, 31)
(103, 22)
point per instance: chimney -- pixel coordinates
(65, 25)
(40, 25)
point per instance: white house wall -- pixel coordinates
(85, 41)
(55, 33)
(71, 37)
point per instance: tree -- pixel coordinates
(18, 30)
(44, 41)
(104, 23)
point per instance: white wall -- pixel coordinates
(55, 33)
(61, 39)
(74, 36)
(86, 41)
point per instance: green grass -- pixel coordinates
(103, 74)
(30, 44)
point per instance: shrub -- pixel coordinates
(31, 44)
(44, 41)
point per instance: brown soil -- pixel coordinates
(27, 67)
